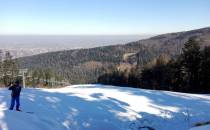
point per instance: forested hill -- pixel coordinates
(86, 65)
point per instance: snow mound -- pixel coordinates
(99, 107)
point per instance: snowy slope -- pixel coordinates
(98, 107)
(206, 127)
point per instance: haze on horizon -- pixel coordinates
(27, 45)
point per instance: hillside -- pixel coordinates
(85, 65)
(96, 107)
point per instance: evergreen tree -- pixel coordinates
(205, 70)
(10, 69)
(134, 77)
(177, 75)
(157, 75)
(191, 62)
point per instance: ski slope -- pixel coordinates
(205, 127)
(99, 107)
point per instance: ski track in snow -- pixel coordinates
(99, 107)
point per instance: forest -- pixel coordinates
(188, 72)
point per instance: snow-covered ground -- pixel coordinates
(205, 127)
(98, 107)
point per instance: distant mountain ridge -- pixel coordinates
(85, 65)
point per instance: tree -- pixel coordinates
(156, 76)
(10, 69)
(205, 70)
(134, 77)
(191, 62)
(163, 59)
(177, 75)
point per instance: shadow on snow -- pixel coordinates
(68, 111)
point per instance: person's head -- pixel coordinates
(17, 82)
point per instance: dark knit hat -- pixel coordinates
(17, 82)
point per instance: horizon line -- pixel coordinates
(139, 34)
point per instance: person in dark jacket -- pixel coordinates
(15, 95)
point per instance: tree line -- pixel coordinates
(8, 69)
(44, 78)
(187, 72)
(10, 72)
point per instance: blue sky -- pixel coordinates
(97, 17)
